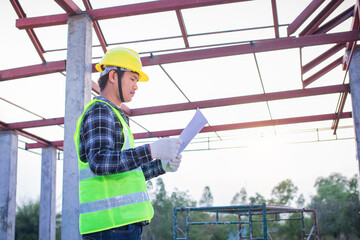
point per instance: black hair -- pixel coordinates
(102, 81)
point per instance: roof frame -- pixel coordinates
(97, 28)
(304, 15)
(69, 6)
(344, 89)
(121, 11)
(311, 35)
(315, 23)
(30, 32)
(252, 47)
(223, 127)
(275, 18)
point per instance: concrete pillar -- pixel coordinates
(78, 93)
(47, 215)
(8, 178)
(354, 74)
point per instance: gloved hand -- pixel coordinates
(172, 165)
(165, 148)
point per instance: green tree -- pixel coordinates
(283, 193)
(329, 202)
(300, 202)
(349, 219)
(161, 227)
(293, 229)
(27, 221)
(337, 203)
(161, 224)
(240, 198)
(258, 199)
(206, 199)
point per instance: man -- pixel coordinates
(114, 202)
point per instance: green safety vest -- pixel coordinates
(110, 201)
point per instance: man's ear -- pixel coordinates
(112, 76)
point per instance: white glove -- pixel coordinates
(172, 165)
(165, 148)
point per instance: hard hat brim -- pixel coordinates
(143, 77)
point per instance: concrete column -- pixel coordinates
(78, 93)
(354, 74)
(8, 179)
(47, 216)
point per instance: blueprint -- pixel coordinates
(193, 128)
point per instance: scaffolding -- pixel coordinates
(247, 220)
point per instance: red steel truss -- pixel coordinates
(253, 47)
(313, 33)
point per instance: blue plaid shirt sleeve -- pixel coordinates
(152, 169)
(101, 141)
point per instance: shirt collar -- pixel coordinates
(104, 99)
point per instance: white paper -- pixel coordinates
(193, 128)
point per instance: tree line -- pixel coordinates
(337, 202)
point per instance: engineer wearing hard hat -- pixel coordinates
(114, 202)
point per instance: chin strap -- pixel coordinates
(120, 74)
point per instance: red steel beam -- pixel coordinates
(121, 11)
(97, 28)
(153, 7)
(36, 123)
(245, 125)
(275, 122)
(34, 70)
(315, 23)
(304, 15)
(45, 21)
(322, 57)
(182, 28)
(23, 133)
(322, 72)
(355, 22)
(344, 88)
(126, 109)
(240, 100)
(226, 127)
(100, 36)
(335, 21)
(347, 58)
(253, 47)
(275, 18)
(18, 9)
(339, 112)
(58, 144)
(95, 87)
(69, 6)
(34, 39)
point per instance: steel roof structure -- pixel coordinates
(246, 64)
(309, 28)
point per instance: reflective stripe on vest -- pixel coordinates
(114, 202)
(109, 201)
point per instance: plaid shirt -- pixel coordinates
(101, 140)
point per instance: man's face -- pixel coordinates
(129, 85)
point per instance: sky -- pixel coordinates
(256, 159)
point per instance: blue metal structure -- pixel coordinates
(241, 211)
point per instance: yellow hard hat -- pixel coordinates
(125, 58)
